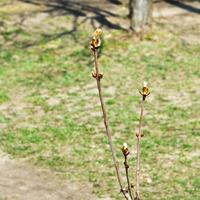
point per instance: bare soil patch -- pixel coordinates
(20, 181)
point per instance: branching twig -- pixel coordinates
(126, 153)
(95, 44)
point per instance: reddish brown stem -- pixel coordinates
(108, 132)
(139, 135)
(127, 175)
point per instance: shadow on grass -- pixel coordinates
(82, 12)
(80, 9)
(184, 6)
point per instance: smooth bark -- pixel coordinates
(140, 13)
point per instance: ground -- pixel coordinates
(22, 181)
(52, 136)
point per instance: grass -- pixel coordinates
(50, 111)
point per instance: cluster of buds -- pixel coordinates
(125, 150)
(137, 135)
(145, 91)
(95, 43)
(99, 76)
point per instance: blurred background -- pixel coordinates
(52, 139)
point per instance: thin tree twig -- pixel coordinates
(127, 176)
(139, 135)
(145, 92)
(126, 153)
(97, 75)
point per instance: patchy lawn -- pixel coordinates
(49, 107)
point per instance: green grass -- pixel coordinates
(53, 116)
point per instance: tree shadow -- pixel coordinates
(80, 9)
(183, 6)
(117, 2)
(82, 12)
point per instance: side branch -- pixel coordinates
(139, 136)
(97, 75)
(127, 176)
